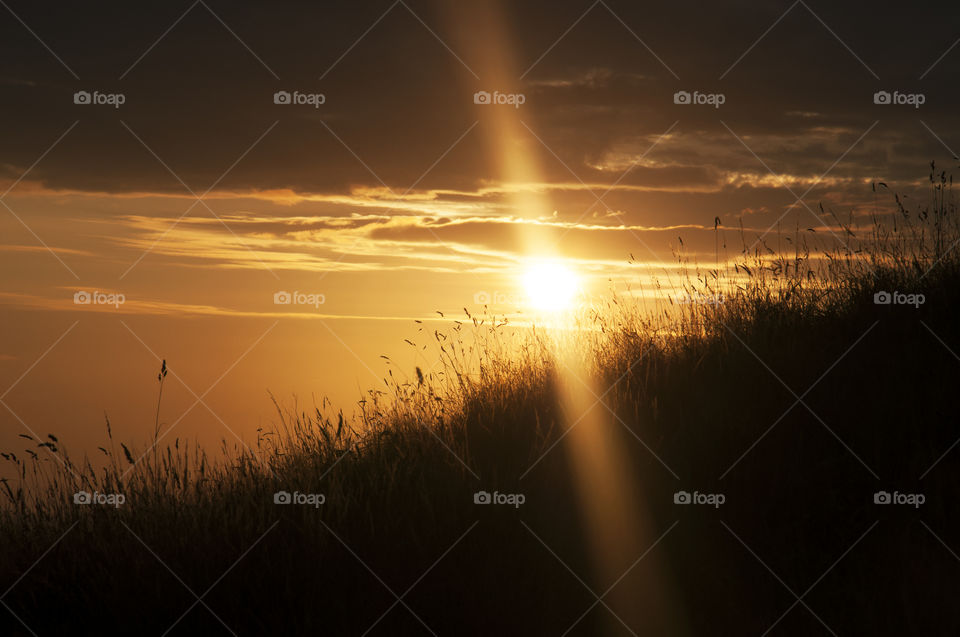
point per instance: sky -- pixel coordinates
(188, 168)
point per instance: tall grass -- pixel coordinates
(486, 368)
(490, 408)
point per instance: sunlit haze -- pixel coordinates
(517, 283)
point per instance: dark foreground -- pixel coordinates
(797, 418)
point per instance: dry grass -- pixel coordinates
(399, 472)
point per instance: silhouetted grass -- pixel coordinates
(705, 389)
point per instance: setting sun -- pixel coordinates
(550, 286)
(479, 318)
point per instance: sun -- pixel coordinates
(550, 286)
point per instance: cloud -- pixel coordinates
(43, 249)
(420, 243)
(597, 95)
(148, 307)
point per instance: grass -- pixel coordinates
(701, 401)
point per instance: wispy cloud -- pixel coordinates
(148, 307)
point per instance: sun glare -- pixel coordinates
(550, 286)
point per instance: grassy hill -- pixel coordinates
(784, 387)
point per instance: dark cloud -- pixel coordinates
(399, 99)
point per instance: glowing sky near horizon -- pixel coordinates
(205, 206)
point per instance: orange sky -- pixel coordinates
(201, 197)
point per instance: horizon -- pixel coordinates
(385, 188)
(416, 316)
